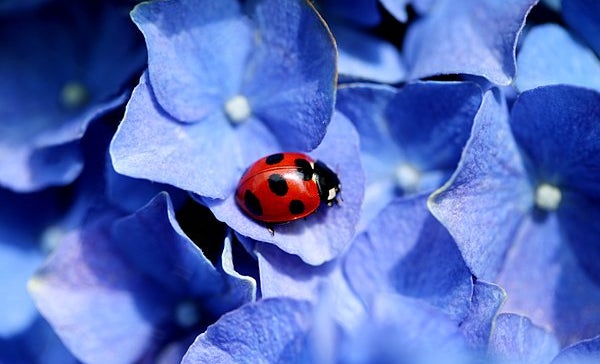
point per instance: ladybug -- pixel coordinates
(284, 187)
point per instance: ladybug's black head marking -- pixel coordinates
(252, 203)
(274, 158)
(327, 182)
(278, 185)
(304, 168)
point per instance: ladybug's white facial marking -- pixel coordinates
(408, 177)
(74, 95)
(547, 197)
(237, 109)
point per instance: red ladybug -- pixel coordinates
(285, 187)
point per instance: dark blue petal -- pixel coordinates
(54, 86)
(268, 331)
(485, 304)
(544, 281)
(583, 352)
(431, 122)
(584, 17)
(167, 250)
(549, 55)
(407, 251)
(473, 37)
(516, 340)
(567, 120)
(327, 232)
(360, 12)
(398, 7)
(489, 193)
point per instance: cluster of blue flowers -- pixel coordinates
(465, 134)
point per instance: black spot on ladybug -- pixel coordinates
(304, 168)
(296, 207)
(277, 184)
(252, 203)
(274, 158)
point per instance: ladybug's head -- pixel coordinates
(327, 182)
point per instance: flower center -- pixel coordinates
(74, 95)
(237, 109)
(187, 314)
(408, 177)
(547, 197)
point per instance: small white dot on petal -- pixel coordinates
(237, 109)
(408, 177)
(547, 197)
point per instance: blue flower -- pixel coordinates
(411, 138)
(54, 85)
(226, 85)
(523, 203)
(467, 37)
(134, 284)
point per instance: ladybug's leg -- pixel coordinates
(271, 229)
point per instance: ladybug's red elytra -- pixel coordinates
(284, 187)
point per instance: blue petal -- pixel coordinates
(405, 330)
(488, 195)
(291, 75)
(196, 53)
(406, 251)
(516, 340)
(151, 145)
(584, 17)
(99, 306)
(583, 352)
(472, 37)
(421, 127)
(359, 12)
(268, 331)
(38, 344)
(566, 119)
(48, 99)
(130, 194)
(485, 305)
(398, 7)
(327, 232)
(286, 275)
(544, 281)
(17, 264)
(366, 57)
(154, 230)
(549, 55)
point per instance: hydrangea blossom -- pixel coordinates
(411, 137)
(54, 85)
(227, 83)
(143, 256)
(527, 192)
